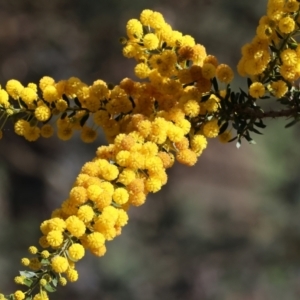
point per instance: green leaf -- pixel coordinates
(249, 82)
(54, 281)
(77, 102)
(28, 274)
(28, 282)
(49, 288)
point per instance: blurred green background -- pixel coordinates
(227, 228)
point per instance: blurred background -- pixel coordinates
(227, 228)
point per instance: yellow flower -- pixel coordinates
(42, 113)
(59, 264)
(134, 29)
(75, 226)
(211, 129)
(55, 238)
(257, 90)
(19, 295)
(142, 70)
(279, 88)
(120, 196)
(150, 41)
(76, 251)
(72, 275)
(286, 25)
(85, 213)
(88, 135)
(47, 131)
(186, 157)
(224, 73)
(14, 88)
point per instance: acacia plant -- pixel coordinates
(182, 100)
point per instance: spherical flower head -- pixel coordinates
(76, 251)
(88, 135)
(286, 25)
(56, 224)
(289, 73)
(289, 57)
(134, 29)
(43, 282)
(126, 176)
(42, 113)
(279, 88)
(75, 226)
(61, 105)
(211, 129)
(224, 73)
(108, 172)
(55, 238)
(21, 126)
(291, 6)
(65, 133)
(99, 89)
(188, 41)
(25, 261)
(59, 264)
(142, 70)
(186, 157)
(156, 20)
(153, 184)
(122, 218)
(145, 17)
(50, 93)
(47, 131)
(19, 295)
(95, 240)
(151, 41)
(4, 99)
(14, 88)
(120, 196)
(137, 199)
(191, 108)
(45, 254)
(45, 81)
(32, 250)
(72, 275)
(198, 143)
(211, 105)
(208, 70)
(32, 133)
(85, 213)
(28, 95)
(90, 168)
(257, 90)
(199, 54)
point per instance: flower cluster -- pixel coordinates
(272, 59)
(167, 115)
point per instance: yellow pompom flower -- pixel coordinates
(279, 88)
(28, 95)
(75, 226)
(122, 218)
(191, 108)
(56, 224)
(126, 176)
(59, 264)
(198, 143)
(224, 73)
(153, 184)
(142, 70)
(55, 238)
(47, 131)
(18, 280)
(85, 213)
(145, 16)
(88, 135)
(151, 41)
(120, 196)
(61, 105)
(286, 25)
(19, 295)
(257, 90)
(72, 275)
(25, 261)
(42, 113)
(45, 254)
(32, 133)
(95, 240)
(41, 296)
(62, 281)
(211, 129)
(288, 72)
(21, 126)
(4, 99)
(211, 105)
(45, 81)
(289, 57)
(134, 29)
(50, 93)
(76, 251)
(186, 157)
(78, 195)
(32, 250)
(208, 70)
(14, 88)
